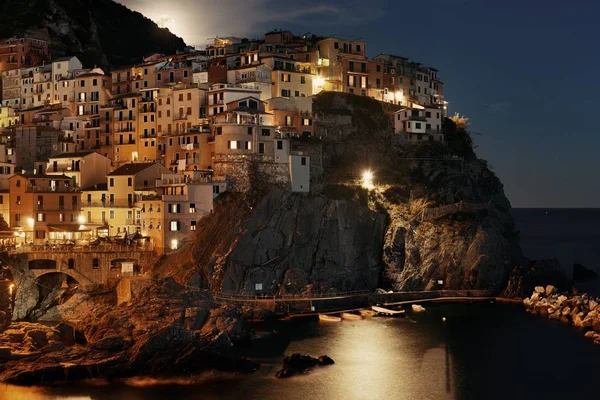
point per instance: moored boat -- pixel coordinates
(351, 317)
(386, 311)
(367, 313)
(417, 308)
(329, 318)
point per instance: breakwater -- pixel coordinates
(581, 311)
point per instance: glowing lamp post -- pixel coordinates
(367, 180)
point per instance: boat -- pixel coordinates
(385, 311)
(417, 308)
(329, 318)
(351, 317)
(367, 313)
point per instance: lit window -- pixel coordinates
(174, 244)
(192, 208)
(174, 226)
(40, 217)
(193, 226)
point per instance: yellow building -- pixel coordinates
(114, 204)
(8, 117)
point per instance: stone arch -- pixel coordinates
(67, 273)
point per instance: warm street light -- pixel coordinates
(367, 180)
(31, 221)
(81, 219)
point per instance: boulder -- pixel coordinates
(590, 334)
(70, 335)
(592, 304)
(111, 344)
(540, 289)
(582, 274)
(300, 363)
(566, 310)
(535, 297)
(15, 335)
(37, 337)
(550, 290)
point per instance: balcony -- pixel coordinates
(125, 142)
(190, 146)
(180, 117)
(48, 189)
(109, 204)
(150, 109)
(135, 222)
(128, 129)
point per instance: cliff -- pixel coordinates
(344, 238)
(99, 32)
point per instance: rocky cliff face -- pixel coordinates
(296, 244)
(99, 32)
(288, 243)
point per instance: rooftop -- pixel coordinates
(131, 169)
(73, 154)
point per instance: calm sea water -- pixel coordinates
(482, 351)
(571, 235)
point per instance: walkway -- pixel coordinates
(335, 303)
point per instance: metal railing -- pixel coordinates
(70, 248)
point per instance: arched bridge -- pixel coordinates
(88, 265)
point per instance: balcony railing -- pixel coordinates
(48, 189)
(136, 222)
(108, 204)
(190, 146)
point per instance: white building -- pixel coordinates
(418, 123)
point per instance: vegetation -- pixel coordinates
(100, 32)
(458, 138)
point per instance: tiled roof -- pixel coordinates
(131, 169)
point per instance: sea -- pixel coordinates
(450, 351)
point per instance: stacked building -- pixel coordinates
(143, 150)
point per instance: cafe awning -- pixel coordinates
(69, 228)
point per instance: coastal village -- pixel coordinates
(137, 155)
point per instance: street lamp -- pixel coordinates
(367, 180)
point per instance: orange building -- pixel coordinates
(45, 207)
(23, 52)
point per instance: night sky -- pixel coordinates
(524, 72)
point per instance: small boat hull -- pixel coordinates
(417, 308)
(351, 317)
(329, 318)
(385, 311)
(367, 313)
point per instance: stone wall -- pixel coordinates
(241, 171)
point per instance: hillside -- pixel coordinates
(343, 238)
(99, 32)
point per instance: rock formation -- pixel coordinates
(581, 311)
(166, 330)
(583, 274)
(300, 363)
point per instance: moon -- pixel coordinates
(165, 21)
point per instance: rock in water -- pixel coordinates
(300, 363)
(582, 274)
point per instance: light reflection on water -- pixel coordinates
(482, 351)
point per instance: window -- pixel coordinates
(174, 226)
(306, 122)
(249, 130)
(111, 182)
(40, 234)
(358, 48)
(296, 93)
(129, 181)
(71, 263)
(303, 79)
(417, 125)
(428, 114)
(193, 226)
(303, 160)
(285, 93)
(379, 68)
(40, 217)
(111, 214)
(216, 189)
(266, 132)
(336, 45)
(261, 148)
(286, 78)
(192, 208)
(279, 145)
(248, 145)
(95, 263)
